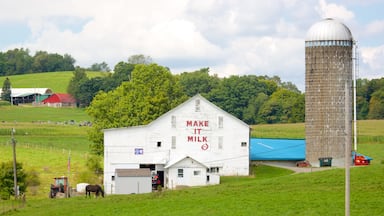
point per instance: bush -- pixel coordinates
(6, 179)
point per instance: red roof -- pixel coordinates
(60, 98)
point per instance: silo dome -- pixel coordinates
(329, 30)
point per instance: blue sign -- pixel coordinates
(139, 151)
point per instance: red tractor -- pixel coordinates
(60, 188)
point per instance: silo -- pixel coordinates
(328, 92)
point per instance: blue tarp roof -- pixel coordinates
(358, 154)
(277, 149)
(281, 149)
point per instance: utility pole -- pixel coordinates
(348, 155)
(14, 162)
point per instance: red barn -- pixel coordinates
(60, 100)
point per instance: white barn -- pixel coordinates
(191, 145)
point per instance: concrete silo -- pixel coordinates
(328, 92)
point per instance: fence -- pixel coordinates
(12, 204)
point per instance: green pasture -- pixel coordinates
(47, 137)
(289, 131)
(57, 81)
(43, 114)
(281, 193)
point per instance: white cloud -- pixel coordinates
(333, 10)
(375, 27)
(270, 56)
(230, 37)
(373, 58)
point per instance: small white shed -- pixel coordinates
(187, 171)
(133, 181)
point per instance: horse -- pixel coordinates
(94, 188)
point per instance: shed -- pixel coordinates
(187, 171)
(133, 181)
(60, 100)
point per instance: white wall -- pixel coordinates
(194, 174)
(133, 185)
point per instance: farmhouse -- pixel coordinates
(191, 145)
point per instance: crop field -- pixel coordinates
(57, 81)
(45, 141)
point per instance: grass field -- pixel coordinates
(45, 138)
(57, 81)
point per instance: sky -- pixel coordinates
(231, 37)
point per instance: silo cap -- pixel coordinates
(329, 29)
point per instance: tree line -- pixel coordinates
(20, 61)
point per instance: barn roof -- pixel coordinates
(22, 92)
(143, 172)
(181, 158)
(60, 98)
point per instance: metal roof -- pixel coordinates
(329, 29)
(143, 172)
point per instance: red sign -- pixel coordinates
(197, 136)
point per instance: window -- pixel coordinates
(197, 105)
(158, 144)
(220, 121)
(173, 142)
(196, 172)
(220, 145)
(180, 173)
(243, 144)
(173, 121)
(214, 170)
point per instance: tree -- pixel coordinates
(3, 63)
(283, 106)
(18, 61)
(6, 90)
(376, 105)
(198, 82)
(140, 59)
(122, 72)
(6, 179)
(234, 93)
(100, 67)
(79, 76)
(250, 114)
(88, 88)
(151, 92)
(369, 99)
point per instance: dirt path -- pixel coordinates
(292, 166)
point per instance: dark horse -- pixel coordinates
(94, 188)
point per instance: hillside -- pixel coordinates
(57, 81)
